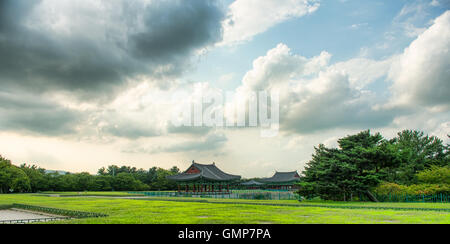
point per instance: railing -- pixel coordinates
(65, 214)
(437, 198)
(57, 211)
(374, 207)
(253, 195)
(28, 221)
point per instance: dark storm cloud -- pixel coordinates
(156, 40)
(177, 27)
(210, 142)
(91, 51)
(130, 130)
(11, 11)
(29, 113)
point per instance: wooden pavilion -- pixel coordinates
(252, 185)
(204, 178)
(282, 180)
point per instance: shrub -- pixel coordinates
(386, 188)
(435, 175)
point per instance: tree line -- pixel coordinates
(410, 163)
(31, 178)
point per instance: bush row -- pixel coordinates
(386, 188)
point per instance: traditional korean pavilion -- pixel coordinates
(252, 184)
(204, 178)
(282, 180)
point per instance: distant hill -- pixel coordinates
(60, 172)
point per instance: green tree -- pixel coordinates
(12, 178)
(126, 182)
(418, 152)
(161, 182)
(102, 183)
(348, 171)
(38, 181)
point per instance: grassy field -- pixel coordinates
(210, 211)
(294, 202)
(83, 193)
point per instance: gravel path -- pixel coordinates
(12, 214)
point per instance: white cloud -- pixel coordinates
(247, 18)
(363, 71)
(358, 26)
(421, 74)
(331, 142)
(436, 124)
(318, 96)
(409, 17)
(435, 3)
(315, 95)
(279, 66)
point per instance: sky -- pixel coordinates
(86, 84)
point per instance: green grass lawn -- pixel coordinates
(88, 193)
(158, 211)
(295, 202)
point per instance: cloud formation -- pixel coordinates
(247, 18)
(315, 95)
(31, 114)
(212, 142)
(95, 46)
(421, 74)
(52, 51)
